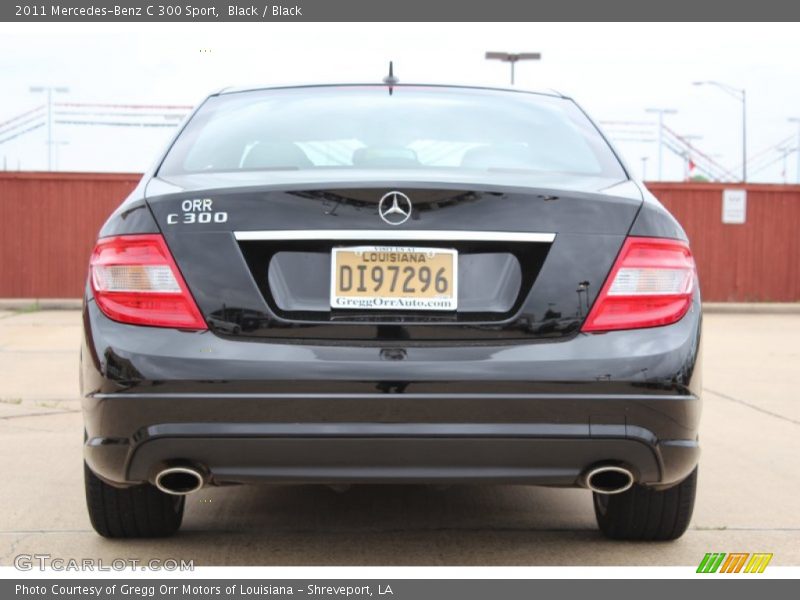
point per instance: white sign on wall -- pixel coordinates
(734, 206)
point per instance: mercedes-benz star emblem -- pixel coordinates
(395, 208)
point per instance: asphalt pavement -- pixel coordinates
(748, 489)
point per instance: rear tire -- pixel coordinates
(646, 514)
(141, 511)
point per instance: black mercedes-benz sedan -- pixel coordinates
(391, 284)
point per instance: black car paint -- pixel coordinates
(527, 399)
(628, 386)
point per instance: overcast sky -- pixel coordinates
(615, 71)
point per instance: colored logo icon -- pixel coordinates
(735, 562)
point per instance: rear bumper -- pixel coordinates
(354, 453)
(539, 413)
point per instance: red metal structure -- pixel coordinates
(48, 227)
(758, 261)
(50, 220)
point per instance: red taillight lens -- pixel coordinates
(135, 280)
(651, 284)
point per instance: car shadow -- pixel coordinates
(401, 525)
(383, 525)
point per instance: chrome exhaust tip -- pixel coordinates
(179, 481)
(609, 479)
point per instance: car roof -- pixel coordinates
(256, 88)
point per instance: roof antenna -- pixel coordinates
(390, 79)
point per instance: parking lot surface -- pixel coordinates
(748, 491)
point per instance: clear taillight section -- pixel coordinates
(651, 284)
(135, 280)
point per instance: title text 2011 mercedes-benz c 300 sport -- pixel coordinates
(391, 284)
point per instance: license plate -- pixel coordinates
(394, 278)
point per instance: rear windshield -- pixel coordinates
(415, 127)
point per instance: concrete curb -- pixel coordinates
(753, 308)
(30, 304)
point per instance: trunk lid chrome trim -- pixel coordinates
(394, 235)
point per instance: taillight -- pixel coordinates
(650, 284)
(135, 280)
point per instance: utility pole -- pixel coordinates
(661, 112)
(797, 120)
(48, 90)
(741, 95)
(513, 58)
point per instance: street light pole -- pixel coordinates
(744, 135)
(513, 58)
(48, 90)
(797, 120)
(741, 95)
(661, 112)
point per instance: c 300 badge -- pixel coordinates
(197, 211)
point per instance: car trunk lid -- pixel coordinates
(257, 257)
